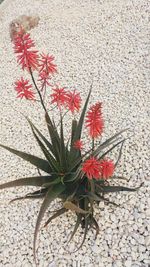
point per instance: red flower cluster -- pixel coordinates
(98, 169)
(59, 97)
(47, 68)
(73, 101)
(94, 121)
(70, 100)
(44, 78)
(107, 168)
(26, 57)
(46, 64)
(78, 145)
(91, 167)
(23, 89)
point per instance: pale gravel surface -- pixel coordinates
(109, 41)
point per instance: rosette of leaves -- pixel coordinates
(63, 175)
(64, 178)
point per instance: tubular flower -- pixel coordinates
(107, 168)
(92, 167)
(26, 58)
(44, 78)
(78, 144)
(59, 97)
(46, 64)
(94, 121)
(23, 89)
(73, 101)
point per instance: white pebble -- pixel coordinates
(86, 259)
(147, 241)
(142, 248)
(96, 249)
(128, 263)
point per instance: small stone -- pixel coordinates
(147, 241)
(101, 205)
(100, 264)
(118, 263)
(86, 260)
(109, 231)
(142, 248)
(71, 246)
(95, 249)
(128, 263)
(133, 242)
(147, 261)
(27, 264)
(123, 250)
(61, 251)
(147, 213)
(141, 240)
(52, 264)
(134, 255)
(113, 217)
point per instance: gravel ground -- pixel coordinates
(109, 41)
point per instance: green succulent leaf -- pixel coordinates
(71, 206)
(99, 198)
(38, 162)
(35, 195)
(62, 148)
(52, 193)
(78, 222)
(48, 144)
(86, 221)
(94, 222)
(109, 150)
(55, 139)
(55, 181)
(120, 154)
(74, 127)
(74, 176)
(77, 134)
(52, 162)
(55, 215)
(107, 143)
(77, 162)
(30, 181)
(109, 189)
(78, 130)
(85, 232)
(119, 178)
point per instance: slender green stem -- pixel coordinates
(92, 186)
(62, 116)
(93, 144)
(40, 96)
(44, 93)
(91, 182)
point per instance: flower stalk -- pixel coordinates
(38, 91)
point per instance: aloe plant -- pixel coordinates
(68, 174)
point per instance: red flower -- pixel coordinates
(92, 167)
(59, 97)
(73, 101)
(23, 89)
(107, 168)
(22, 44)
(78, 145)
(95, 121)
(44, 78)
(47, 64)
